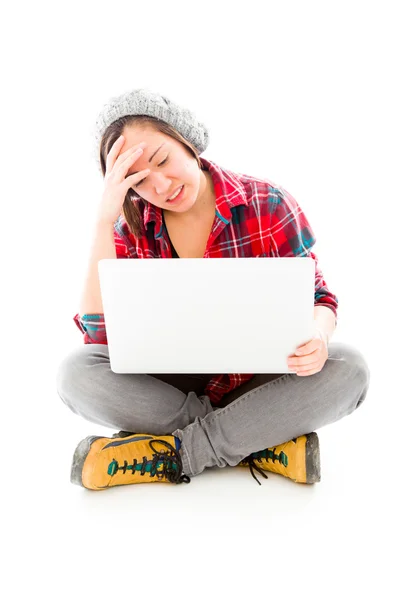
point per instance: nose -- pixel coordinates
(160, 183)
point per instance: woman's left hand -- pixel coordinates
(311, 357)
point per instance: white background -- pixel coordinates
(303, 93)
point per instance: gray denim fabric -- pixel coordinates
(267, 410)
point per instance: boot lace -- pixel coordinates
(266, 455)
(170, 460)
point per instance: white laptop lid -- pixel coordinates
(216, 315)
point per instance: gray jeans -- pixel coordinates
(267, 410)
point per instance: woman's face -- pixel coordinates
(171, 166)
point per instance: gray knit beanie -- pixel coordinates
(145, 102)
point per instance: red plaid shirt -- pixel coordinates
(253, 218)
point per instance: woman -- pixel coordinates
(162, 200)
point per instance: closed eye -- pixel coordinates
(162, 163)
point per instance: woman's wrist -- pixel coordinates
(323, 335)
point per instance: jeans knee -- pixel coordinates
(70, 372)
(359, 372)
(363, 376)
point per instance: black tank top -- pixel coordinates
(174, 252)
(198, 381)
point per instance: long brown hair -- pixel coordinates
(130, 209)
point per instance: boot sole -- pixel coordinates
(313, 463)
(78, 460)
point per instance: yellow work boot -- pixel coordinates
(100, 462)
(297, 459)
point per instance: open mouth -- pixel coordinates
(178, 197)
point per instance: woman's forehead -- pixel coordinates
(139, 134)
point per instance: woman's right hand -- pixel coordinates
(116, 182)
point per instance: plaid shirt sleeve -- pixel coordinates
(291, 235)
(93, 325)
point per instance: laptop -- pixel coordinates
(214, 315)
